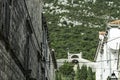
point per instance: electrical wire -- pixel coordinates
(113, 39)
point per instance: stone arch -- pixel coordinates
(75, 61)
(75, 56)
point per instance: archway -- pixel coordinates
(74, 56)
(75, 61)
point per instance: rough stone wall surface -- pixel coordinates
(35, 11)
(24, 50)
(0, 9)
(52, 71)
(8, 69)
(21, 34)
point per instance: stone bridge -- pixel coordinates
(77, 59)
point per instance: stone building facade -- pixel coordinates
(24, 45)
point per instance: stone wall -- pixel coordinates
(20, 33)
(8, 69)
(24, 46)
(35, 11)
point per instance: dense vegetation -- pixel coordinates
(85, 73)
(66, 72)
(75, 25)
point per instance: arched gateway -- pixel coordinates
(76, 59)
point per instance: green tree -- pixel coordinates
(89, 74)
(58, 75)
(83, 72)
(67, 71)
(77, 77)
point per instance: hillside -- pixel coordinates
(75, 24)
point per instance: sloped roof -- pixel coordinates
(115, 22)
(102, 32)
